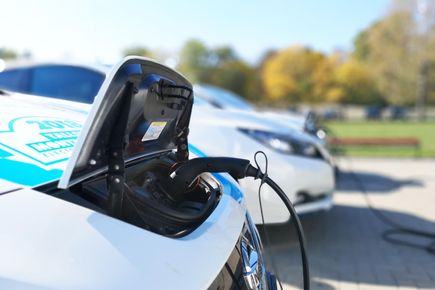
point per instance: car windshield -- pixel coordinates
(14, 80)
(221, 98)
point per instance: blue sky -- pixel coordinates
(99, 30)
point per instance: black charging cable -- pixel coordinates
(185, 175)
(390, 235)
(265, 231)
(299, 230)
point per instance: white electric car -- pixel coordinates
(295, 159)
(82, 199)
(298, 160)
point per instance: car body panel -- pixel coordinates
(47, 243)
(7, 186)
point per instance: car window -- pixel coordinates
(66, 82)
(16, 80)
(221, 98)
(199, 101)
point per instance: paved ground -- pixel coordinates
(346, 249)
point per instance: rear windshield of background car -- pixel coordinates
(16, 80)
(66, 82)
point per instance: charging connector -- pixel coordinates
(183, 177)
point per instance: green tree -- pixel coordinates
(223, 53)
(236, 76)
(7, 54)
(429, 44)
(139, 51)
(195, 61)
(388, 48)
(219, 66)
(361, 46)
(400, 50)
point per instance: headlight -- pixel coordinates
(283, 143)
(321, 134)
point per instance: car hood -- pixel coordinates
(204, 116)
(247, 120)
(142, 108)
(292, 120)
(297, 121)
(37, 136)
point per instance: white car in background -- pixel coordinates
(82, 208)
(223, 99)
(297, 160)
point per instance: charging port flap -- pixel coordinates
(142, 108)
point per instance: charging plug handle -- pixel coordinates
(182, 178)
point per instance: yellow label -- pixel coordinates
(154, 131)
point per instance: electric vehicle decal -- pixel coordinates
(34, 148)
(230, 185)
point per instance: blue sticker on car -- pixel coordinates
(33, 148)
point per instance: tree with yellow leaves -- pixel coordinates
(357, 83)
(299, 74)
(288, 75)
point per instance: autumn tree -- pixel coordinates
(427, 61)
(326, 87)
(400, 50)
(357, 83)
(296, 74)
(388, 48)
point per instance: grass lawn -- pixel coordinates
(424, 131)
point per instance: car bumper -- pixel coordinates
(322, 203)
